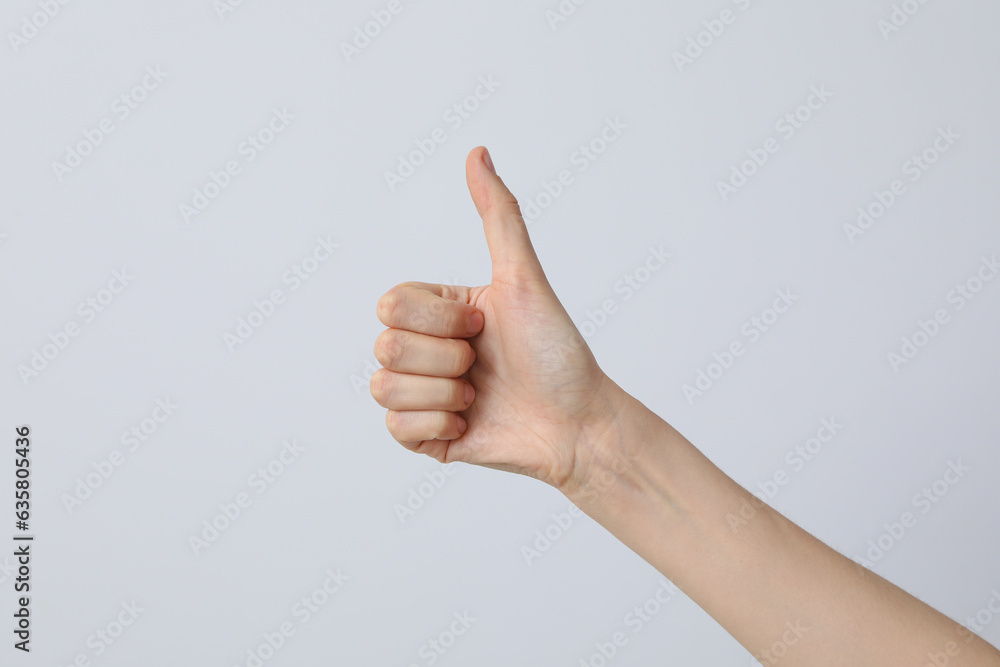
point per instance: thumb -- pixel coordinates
(513, 256)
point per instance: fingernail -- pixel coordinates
(469, 393)
(462, 425)
(475, 322)
(489, 161)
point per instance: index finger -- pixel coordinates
(435, 310)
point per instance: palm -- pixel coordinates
(533, 385)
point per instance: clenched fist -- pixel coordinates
(496, 375)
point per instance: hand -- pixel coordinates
(496, 375)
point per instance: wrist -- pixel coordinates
(610, 449)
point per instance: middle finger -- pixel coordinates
(420, 354)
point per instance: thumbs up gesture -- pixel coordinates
(495, 375)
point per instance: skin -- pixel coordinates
(499, 376)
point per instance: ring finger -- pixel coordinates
(401, 391)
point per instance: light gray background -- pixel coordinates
(298, 376)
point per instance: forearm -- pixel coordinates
(784, 595)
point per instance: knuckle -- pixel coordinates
(380, 386)
(511, 202)
(431, 313)
(387, 306)
(389, 348)
(393, 422)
